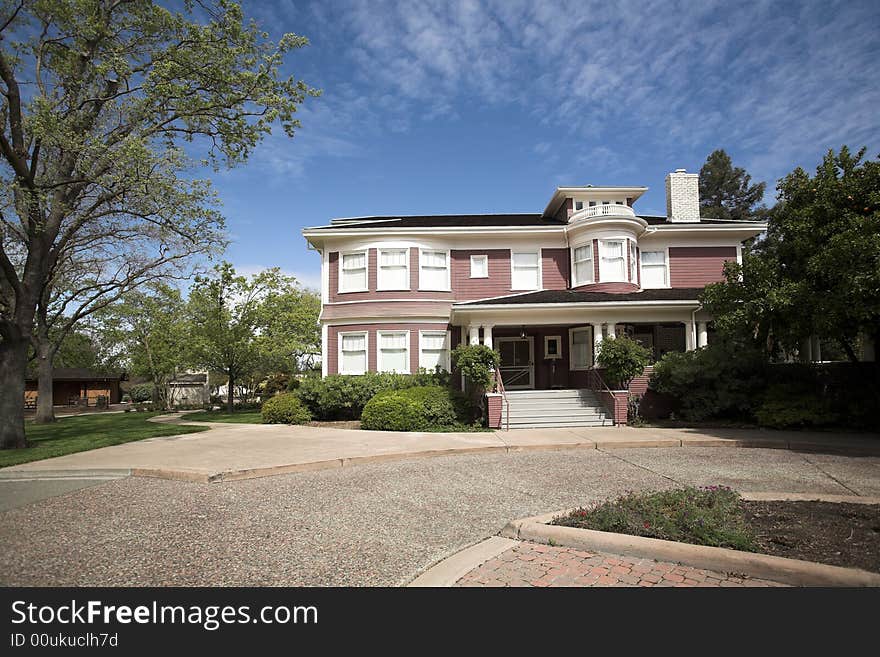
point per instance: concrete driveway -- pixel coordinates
(375, 524)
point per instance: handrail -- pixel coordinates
(604, 210)
(499, 387)
(594, 374)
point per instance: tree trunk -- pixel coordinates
(230, 407)
(13, 364)
(45, 359)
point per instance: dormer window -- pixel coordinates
(578, 205)
(592, 204)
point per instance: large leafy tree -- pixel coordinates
(290, 334)
(228, 317)
(98, 99)
(726, 191)
(149, 329)
(817, 272)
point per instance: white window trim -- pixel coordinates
(448, 287)
(366, 253)
(633, 258)
(558, 339)
(574, 280)
(484, 258)
(379, 282)
(447, 365)
(571, 364)
(540, 280)
(380, 367)
(603, 270)
(366, 335)
(665, 250)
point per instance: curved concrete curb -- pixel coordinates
(794, 572)
(774, 496)
(448, 571)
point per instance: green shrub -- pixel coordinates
(343, 397)
(723, 380)
(702, 516)
(285, 408)
(477, 363)
(415, 409)
(142, 392)
(623, 359)
(794, 405)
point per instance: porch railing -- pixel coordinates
(596, 382)
(499, 388)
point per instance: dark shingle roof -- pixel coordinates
(444, 221)
(482, 220)
(580, 296)
(81, 374)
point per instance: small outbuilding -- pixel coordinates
(77, 386)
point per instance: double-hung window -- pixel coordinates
(583, 264)
(479, 266)
(393, 269)
(525, 271)
(434, 350)
(354, 272)
(352, 353)
(633, 263)
(612, 265)
(434, 270)
(581, 348)
(393, 351)
(654, 269)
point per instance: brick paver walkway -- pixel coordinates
(531, 564)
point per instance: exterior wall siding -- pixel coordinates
(372, 330)
(465, 288)
(696, 266)
(390, 308)
(555, 265)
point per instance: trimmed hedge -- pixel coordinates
(343, 396)
(414, 409)
(285, 409)
(142, 392)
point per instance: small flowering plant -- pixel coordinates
(708, 515)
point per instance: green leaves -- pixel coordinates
(726, 192)
(623, 359)
(817, 272)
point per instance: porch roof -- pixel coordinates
(676, 294)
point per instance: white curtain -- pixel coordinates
(525, 271)
(354, 271)
(583, 264)
(393, 352)
(653, 269)
(354, 354)
(393, 269)
(435, 269)
(434, 351)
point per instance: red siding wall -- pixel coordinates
(696, 266)
(333, 342)
(372, 276)
(609, 287)
(466, 288)
(555, 265)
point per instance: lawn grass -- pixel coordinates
(238, 417)
(79, 434)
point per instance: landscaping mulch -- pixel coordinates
(825, 532)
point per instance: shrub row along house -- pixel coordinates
(543, 289)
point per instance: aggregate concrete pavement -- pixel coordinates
(375, 524)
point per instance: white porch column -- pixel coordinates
(487, 335)
(702, 334)
(689, 335)
(597, 339)
(611, 327)
(473, 334)
(817, 349)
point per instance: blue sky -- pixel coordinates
(465, 106)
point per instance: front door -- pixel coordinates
(517, 362)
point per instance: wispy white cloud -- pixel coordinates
(771, 82)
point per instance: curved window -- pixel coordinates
(583, 265)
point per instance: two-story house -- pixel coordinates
(543, 289)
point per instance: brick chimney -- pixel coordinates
(682, 196)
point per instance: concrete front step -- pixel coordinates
(559, 424)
